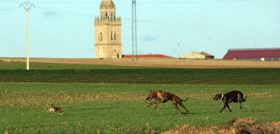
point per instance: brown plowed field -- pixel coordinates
(157, 62)
(238, 126)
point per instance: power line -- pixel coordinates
(7, 9)
(63, 11)
(9, 1)
(169, 2)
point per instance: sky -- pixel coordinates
(65, 28)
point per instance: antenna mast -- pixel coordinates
(27, 6)
(134, 31)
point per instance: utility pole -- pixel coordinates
(27, 6)
(134, 31)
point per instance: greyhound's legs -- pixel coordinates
(182, 105)
(61, 114)
(150, 104)
(228, 107)
(240, 105)
(223, 108)
(176, 107)
(157, 104)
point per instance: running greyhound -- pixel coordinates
(156, 97)
(232, 96)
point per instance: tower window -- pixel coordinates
(115, 36)
(100, 36)
(112, 17)
(112, 36)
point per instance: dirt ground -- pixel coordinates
(237, 126)
(157, 62)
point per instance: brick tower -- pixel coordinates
(108, 41)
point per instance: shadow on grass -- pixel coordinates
(96, 108)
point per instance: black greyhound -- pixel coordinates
(232, 96)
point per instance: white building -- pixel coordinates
(197, 55)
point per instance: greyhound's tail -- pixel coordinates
(186, 99)
(244, 100)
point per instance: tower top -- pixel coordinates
(107, 4)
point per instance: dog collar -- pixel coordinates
(222, 96)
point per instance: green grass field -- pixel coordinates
(64, 73)
(121, 108)
(111, 99)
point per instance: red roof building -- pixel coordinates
(253, 54)
(147, 56)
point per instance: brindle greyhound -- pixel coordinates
(232, 96)
(56, 109)
(162, 97)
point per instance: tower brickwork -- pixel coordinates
(108, 41)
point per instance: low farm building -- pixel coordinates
(197, 55)
(253, 54)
